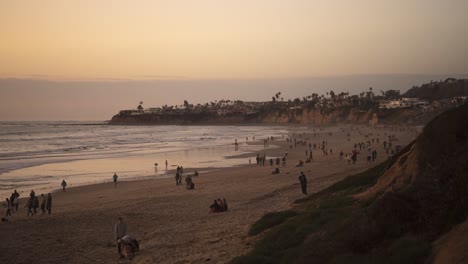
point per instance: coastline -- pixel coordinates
(172, 223)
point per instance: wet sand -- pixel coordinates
(171, 222)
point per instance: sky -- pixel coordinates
(116, 52)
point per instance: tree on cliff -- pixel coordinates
(140, 107)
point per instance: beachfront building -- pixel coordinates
(403, 103)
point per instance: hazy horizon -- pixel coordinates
(44, 100)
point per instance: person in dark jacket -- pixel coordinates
(303, 181)
(49, 203)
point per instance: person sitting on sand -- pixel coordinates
(215, 208)
(129, 246)
(195, 174)
(221, 205)
(300, 164)
(189, 183)
(276, 171)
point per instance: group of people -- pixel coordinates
(33, 204)
(219, 206)
(189, 184)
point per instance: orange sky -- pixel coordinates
(216, 39)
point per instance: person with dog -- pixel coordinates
(120, 232)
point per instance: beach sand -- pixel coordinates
(173, 224)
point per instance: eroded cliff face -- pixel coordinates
(346, 115)
(318, 117)
(182, 119)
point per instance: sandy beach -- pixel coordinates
(173, 224)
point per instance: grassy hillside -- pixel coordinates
(391, 213)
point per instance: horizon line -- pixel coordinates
(51, 78)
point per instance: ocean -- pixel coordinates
(38, 155)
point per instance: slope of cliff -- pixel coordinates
(411, 209)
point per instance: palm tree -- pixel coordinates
(140, 107)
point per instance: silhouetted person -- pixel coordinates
(115, 177)
(120, 232)
(303, 181)
(49, 203)
(64, 185)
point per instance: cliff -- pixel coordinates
(301, 116)
(411, 209)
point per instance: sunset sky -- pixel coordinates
(197, 40)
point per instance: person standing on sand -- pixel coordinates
(303, 181)
(115, 177)
(63, 184)
(36, 205)
(166, 164)
(43, 204)
(16, 203)
(120, 232)
(14, 197)
(30, 204)
(49, 203)
(9, 207)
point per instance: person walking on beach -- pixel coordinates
(43, 204)
(63, 184)
(36, 205)
(49, 203)
(303, 181)
(16, 203)
(115, 177)
(166, 164)
(120, 232)
(9, 207)
(14, 197)
(30, 204)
